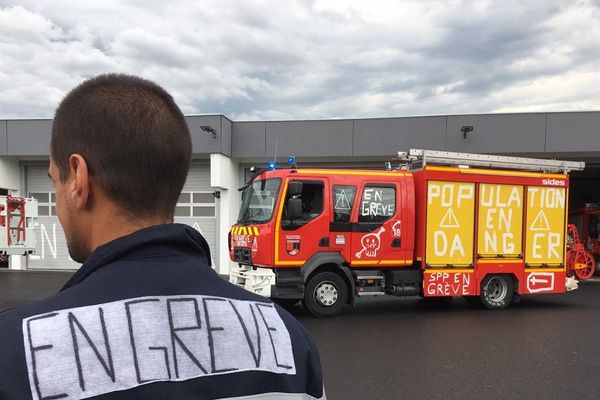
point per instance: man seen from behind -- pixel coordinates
(145, 316)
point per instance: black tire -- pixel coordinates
(326, 294)
(497, 292)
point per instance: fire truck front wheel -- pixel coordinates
(326, 294)
(497, 292)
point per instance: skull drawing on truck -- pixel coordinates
(370, 243)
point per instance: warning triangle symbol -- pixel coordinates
(449, 220)
(341, 201)
(540, 222)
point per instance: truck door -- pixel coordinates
(450, 222)
(301, 236)
(342, 203)
(377, 233)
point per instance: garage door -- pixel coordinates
(51, 247)
(196, 207)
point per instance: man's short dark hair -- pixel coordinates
(133, 137)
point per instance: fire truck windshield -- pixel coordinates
(258, 201)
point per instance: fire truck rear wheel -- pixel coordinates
(497, 292)
(326, 294)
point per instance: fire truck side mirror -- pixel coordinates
(294, 208)
(294, 188)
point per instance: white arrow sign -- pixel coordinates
(540, 282)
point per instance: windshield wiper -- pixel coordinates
(254, 175)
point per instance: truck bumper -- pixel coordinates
(255, 280)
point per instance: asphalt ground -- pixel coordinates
(22, 287)
(545, 347)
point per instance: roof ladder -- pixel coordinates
(416, 158)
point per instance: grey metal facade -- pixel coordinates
(527, 133)
(570, 132)
(3, 137)
(204, 142)
(28, 137)
(31, 137)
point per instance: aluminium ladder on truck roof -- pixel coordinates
(416, 158)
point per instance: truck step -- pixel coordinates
(369, 283)
(361, 294)
(404, 290)
(371, 277)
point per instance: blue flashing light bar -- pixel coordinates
(291, 160)
(271, 165)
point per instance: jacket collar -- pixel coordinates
(168, 239)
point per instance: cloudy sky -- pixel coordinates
(286, 59)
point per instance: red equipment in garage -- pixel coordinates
(587, 221)
(17, 215)
(579, 262)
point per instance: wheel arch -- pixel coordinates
(333, 262)
(493, 300)
(511, 275)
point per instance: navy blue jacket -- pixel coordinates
(146, 317)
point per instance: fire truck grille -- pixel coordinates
(242, 255)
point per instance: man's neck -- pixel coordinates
(107, 225)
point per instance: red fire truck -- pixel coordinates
(439, 224)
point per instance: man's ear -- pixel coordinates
(80, 186)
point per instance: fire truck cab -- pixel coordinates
(440, 224)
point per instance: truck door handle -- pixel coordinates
(396, 242)
(324, 242)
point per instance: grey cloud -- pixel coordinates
(304, 59)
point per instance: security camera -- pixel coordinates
(466, 129)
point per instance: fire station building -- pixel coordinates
(224, 150)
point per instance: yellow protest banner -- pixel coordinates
(450, 220)
(500, 219)
(545, 225)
